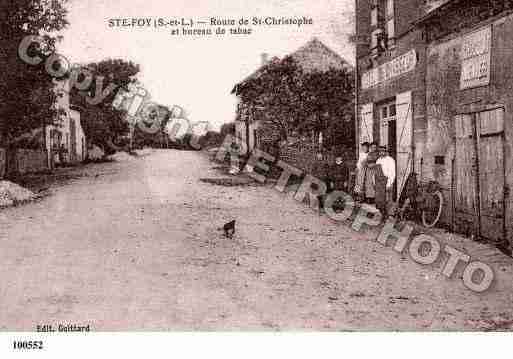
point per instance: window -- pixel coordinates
(392, 110)
(382, 17)
(390, 8)
(374, 17)
(391, 29)
(387, 113)
(439, 160)
(384, 112)
(376, 37)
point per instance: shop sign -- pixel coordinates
(390, 70)
(475, 57)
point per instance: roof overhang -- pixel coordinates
(436, 12)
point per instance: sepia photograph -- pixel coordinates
(286, 167)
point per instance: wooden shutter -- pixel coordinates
(404, 134)
(383, 130)
(367, 123)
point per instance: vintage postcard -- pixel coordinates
(255, 166)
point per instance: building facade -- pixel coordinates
(247, 120)
(438, 91)
(65, 141)
(469, 103)
(391, 69)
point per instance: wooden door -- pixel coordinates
(491, 174)
(465, 196)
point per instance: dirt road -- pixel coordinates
(134, 245)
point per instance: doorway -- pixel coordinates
(480, 174)
(388, 131)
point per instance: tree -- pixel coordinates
(274, 96)
(289, 99)
(211, 139)
(328, 106)
(103, 124)
(157, 139)
(27, 91)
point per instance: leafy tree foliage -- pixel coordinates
(291, 100)
(274, 95)
(227, 129)
(103, 124)
(27, 91)
(328, 107)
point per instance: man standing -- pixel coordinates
(385, 181)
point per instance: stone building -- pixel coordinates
(469, 103)
(390, 57)
(434, 84)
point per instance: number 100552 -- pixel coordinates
(27, 345)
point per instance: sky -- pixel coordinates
(198, 73)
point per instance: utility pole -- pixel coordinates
(356, 83)
(45, 147)
(247, 132)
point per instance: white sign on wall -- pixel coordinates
(389, 70)
(475, 59)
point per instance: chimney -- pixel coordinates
(265, 58)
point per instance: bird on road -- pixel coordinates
(229, 229)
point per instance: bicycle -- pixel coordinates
(422, 202)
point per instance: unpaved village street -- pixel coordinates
(134, 245)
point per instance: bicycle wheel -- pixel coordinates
(432, 209)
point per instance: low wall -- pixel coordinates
(304, 157)
(24, 161)
(29, 161)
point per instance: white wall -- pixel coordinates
(64, 125)
(240, 132)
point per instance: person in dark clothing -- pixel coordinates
(380, 190)
(338, 178)
(370, 174)
(338, 175)
(320, 171)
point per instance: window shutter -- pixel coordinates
(367, 123)
(404, 135)
(390, 7)
(374, 17)
(391, 29)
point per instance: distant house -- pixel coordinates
(66, 141)
(63, 142)
(313, 56)
(316, 56)
(247, 122)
